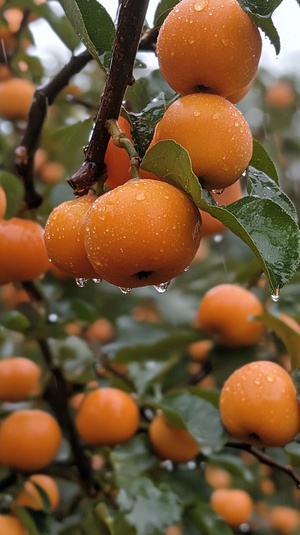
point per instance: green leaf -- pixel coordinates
(145, 373)
(262, 162)
(27, 520)
(296, 380)
(132, 459)
(15, 321)
(93, 26)
(163, 8)
(287, 334)
(262, 186)
(84, 311)
(267, 26)
(14, 190)
(267, 228)
(149, 508)
(261, 13)
(198, 416)
(293, 452)
(207, 521)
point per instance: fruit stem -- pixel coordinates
(121, 141)
(130, 23)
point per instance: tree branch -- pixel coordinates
(43, 97)
(131, 18)
(266, 459)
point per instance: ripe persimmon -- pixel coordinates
(235, 506)
(16, 96)
(101, 330)
(215, 134)
(22, 250)
(211, 225)
(117, 159)
(217, 477)
(19, 378)
(29, 439)
(284, 519)
(2, 202)
(258, 405)
(144, 232)
(10, 525)
(64, 234)
(226, 312)
(29, 496)
(51, 172)
(208, 45)
(107, 416)
(170, 443)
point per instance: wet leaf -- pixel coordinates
(262, 162)
(132, 458)
(162, 10)
(93, 26)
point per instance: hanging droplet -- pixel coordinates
(187, 268)
(275, 296)
(125, 291)
(162, 287)
(97, 281)
(218, 238)
(217, 191)
(81, 282)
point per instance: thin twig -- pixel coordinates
(266, 459)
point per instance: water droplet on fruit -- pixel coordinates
(125, 291)
(97, 281)
(257, 382)
(162, 287)
(217, 191)
(200, 4)
(216, 116)
(81, 282)
(270, 379)
(140, 197)
(275, 296)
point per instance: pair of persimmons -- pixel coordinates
(146, 231)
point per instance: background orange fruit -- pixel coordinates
(171, 443)
(29, 496)
(234, 505)
(9, 525)
(107, 416)
(22, 250)
(29, 439)
(117, 159)
(16, 96)
(19, 378)
(226, 312)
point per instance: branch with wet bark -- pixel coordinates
(130, 23)
(43, 97)
(266, 459)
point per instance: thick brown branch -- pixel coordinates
(130, 24)
(43, 97)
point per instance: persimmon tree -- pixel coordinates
(144, 345)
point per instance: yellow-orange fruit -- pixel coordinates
(215, 134)
(284, 520)
(144, 232)
(22, 250)
(16, 97)
(208, 45)
(64, 235)
(117, 159)
(259, 405)
(107, 416)
(235, 506)
(19, 378)
(9, 525)
(226, 312)
(177, 445)
(29, 496)
(2, 202)
(280, 95)
(29, 439)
